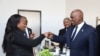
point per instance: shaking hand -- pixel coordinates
(49, 35)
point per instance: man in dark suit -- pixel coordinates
(29, 33)
(66, 23)
(98, 33)
(84, 42)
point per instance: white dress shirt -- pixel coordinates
(27, 33)
(78, 29)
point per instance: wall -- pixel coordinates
(90, 8)
(53, 12)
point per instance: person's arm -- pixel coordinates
(93, 43)
(60, 33)
(23, 41)
(60, 39)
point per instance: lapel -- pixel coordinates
(29, 31)
(80, 33)
(69, 32)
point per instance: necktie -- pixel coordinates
(74, 33)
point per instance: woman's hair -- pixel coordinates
(11, 26)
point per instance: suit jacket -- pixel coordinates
(61, 33)
(84, 44)
(22, 46)
(29, 30)
(98, 33)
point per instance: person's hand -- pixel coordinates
(32, 35)
(50, 35)
(46, 34)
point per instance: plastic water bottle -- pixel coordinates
(68, 52)
(57, 50)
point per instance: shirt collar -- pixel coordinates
(81, 24)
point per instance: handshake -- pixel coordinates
(49, 35)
